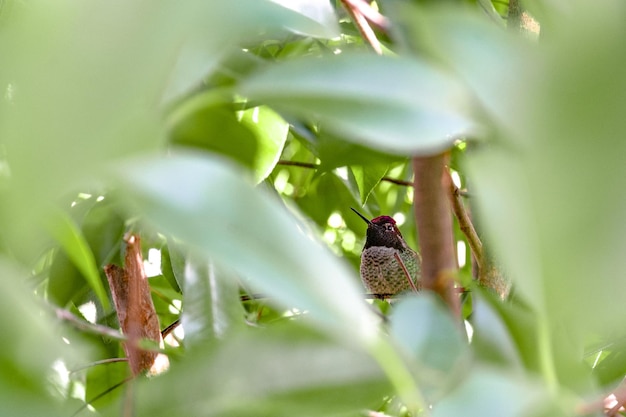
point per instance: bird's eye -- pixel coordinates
(389, 227)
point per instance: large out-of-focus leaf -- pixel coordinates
(567, 130)
(316, 17)
(546, 187)
(227, 22)
(489, 393)
(30, 350)
(278, 371)
(488, 59)
(106, 65)
(212, 307)
(425, 330)
(396, 104)
(211, 206)
(491, 339)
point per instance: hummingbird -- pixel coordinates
(381, 271)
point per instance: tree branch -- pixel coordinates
(357, 9)
(310, 165)
(134, 307)
(434, 225)
(465, 223)
(89, 327)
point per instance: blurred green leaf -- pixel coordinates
(279, 371)
(347, 94)
(424, 328)
(225, 24)
(557, 253)
(212, 307)
(33, 346)
(490, 393)
(317, 18)
(491, 340)
(220, 213)
(107, 67)
(71, 239)
(482, 54)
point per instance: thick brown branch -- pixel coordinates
(434, 225)
(133, 303)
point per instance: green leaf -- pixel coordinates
(270, 132)
(288, 370)
(256, 136)
(207, 129)
(316, 18)
(367, 178)
(220, 213)
(167, 267)
(562, 263)
(492, 341)
(26, 362)
(490, 393)
(426, 331)
(212, 307)
(200, 54)
(71, 239)
(357, 96)
(108, 65)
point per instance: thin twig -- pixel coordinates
(311, 165)
(100, 362)
(89, 327)
(298, 164)
(128, 409)
(465, 223)
(362, 24)
(398, 182)
(102, 394)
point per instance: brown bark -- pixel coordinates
(133, 302)
(434, 225)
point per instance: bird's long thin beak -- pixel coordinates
(361, 216)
